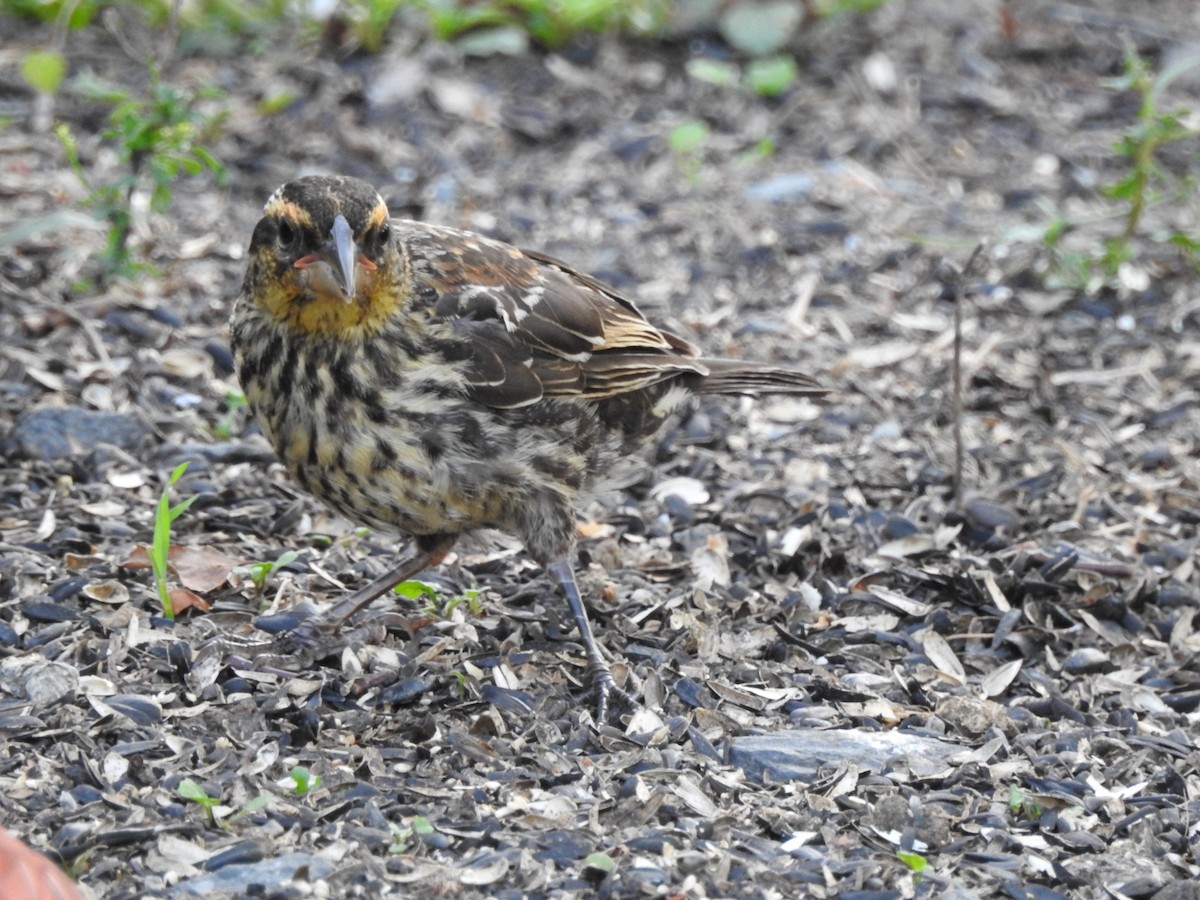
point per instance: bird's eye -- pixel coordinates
(286, 235)
(385, 233)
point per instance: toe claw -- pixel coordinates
(604, 686)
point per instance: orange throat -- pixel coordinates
(319, 314)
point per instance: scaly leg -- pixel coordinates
(599, 674)
(310, 639)
(430, 550)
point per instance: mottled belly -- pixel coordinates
(379, 479)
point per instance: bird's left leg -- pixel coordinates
(599, 673)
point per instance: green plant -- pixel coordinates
(1136, 189)
(1021, 803)
(1153, 129)
(191, 790)
(600, 862)
(369, 21)
(259, 572)
(234, 403)
(44, 70)
(158, 138)
(771, 76)
(304, 781)
(914, 861)
(252, 806)
(72, 14)
(764, 148)
(160, 549)
(768, 77)
(550, 23)
(403, 834)
(830, 8)
(419, 590)
(686, 140)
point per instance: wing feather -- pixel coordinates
(538, 328)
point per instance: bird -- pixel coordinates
(433, 382)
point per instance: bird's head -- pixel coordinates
(322, 258)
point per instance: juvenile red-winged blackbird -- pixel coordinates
(434, 382)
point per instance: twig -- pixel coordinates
(959, 298)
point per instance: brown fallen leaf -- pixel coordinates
(201, 568)
(182, 600)
(198, 568)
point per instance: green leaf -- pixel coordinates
(305, 780)
(601, 862)
(1016, 798)
(415, 590)
(713, 71)
(760, 27)
(421, 825)
(688, 136)
(190, 790)
(914, 861)
(1179, 239)
(1124, 189)
(772, 76)
(276, 103)
(181, 507)
(44, 70)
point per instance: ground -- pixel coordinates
(851, 677)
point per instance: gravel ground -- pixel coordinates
(856, 680)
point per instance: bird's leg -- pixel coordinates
(430, 550)
(311, 638)
(599, 674)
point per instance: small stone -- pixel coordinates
(59, 432)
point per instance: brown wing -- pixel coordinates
(535, 327)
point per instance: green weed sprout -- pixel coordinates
(158, 139)
(419, 590)
(304, 781)
(259, 572)
(686, 140)
(164, 517)
(234, 402)
(1141, 145)
(191, 790)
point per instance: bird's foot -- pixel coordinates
(605, 689)
(295, 643)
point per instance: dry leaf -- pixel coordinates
(201, 568)
(182, 600)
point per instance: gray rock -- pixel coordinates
(58, 432)
(797, 755)
(269, 873)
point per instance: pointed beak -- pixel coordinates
(330, 271)
(346, 253)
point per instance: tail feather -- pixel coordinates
(736, 376)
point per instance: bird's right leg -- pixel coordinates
(430, 551)
(310, 639)
(599, 673)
